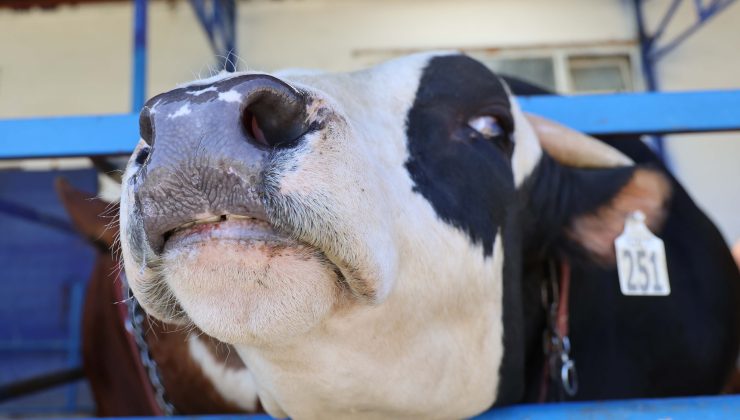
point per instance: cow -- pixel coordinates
(372, 243)
(198, 374)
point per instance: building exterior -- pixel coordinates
(76, 59)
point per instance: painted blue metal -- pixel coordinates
(36, 345)
(651, 52)
(43, 276)
(138, 84)
(627, 113)
(664, 22)
(68, 136)
(705, 408)
(704, 13)
(32, 215)
(74, 337)
(642, 113)
(647, 43)
(218, 19)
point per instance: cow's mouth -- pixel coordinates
(242, 280)
(225, 227)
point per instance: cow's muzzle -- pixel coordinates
(206, 148)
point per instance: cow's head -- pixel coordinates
(359, 236)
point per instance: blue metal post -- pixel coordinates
(648, 65)
(74, 338)
(650, 52)
(230, 34)
(138, 88)
(219, 23)
(704, 14)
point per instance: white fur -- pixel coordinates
(181, 112)
(230, 96)
(202, 91)
(234, 385)
(527, 152)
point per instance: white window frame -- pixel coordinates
(559, 54)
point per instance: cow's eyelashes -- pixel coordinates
(487, 126)
(495, 130)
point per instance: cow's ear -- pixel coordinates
(91, 216)
(582, 191)
(595, 230)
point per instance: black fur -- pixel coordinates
(466, 178)
(632, 347)
(624, 347)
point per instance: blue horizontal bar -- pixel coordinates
(626, 113)
(68, 136)
(34, 345)
(705, 408)
(642, 113)
(55, 412)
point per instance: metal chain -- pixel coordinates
(556, 346)
(134, 325)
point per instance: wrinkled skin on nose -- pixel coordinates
(202, 160)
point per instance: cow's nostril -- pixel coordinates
(274, 115)
(142, 155)
(146, 131)
(254, 130)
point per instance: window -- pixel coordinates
(566, 70)
(600, 74)
(536, 70)
(589, 68)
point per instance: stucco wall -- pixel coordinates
(77, 59)
(707, 164)
(334, 33)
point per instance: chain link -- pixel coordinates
(135, 326)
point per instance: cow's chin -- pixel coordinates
(251, 289)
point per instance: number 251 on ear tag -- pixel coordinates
(641, 262)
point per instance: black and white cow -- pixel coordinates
(371, 243)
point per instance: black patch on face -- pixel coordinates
(469, 182)
(466, 177)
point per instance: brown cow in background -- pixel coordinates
(118, 378)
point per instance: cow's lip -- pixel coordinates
(222, 227)
(239, 229)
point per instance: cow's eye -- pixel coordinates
(488, 126)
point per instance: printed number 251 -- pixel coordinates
(642, 271)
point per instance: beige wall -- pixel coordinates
(76, 60)
(334, 33)
(707, 164)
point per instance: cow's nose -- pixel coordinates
(208, 146)
(272, 113)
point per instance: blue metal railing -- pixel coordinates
(626, 113)
(704, 408)
(139, 56)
